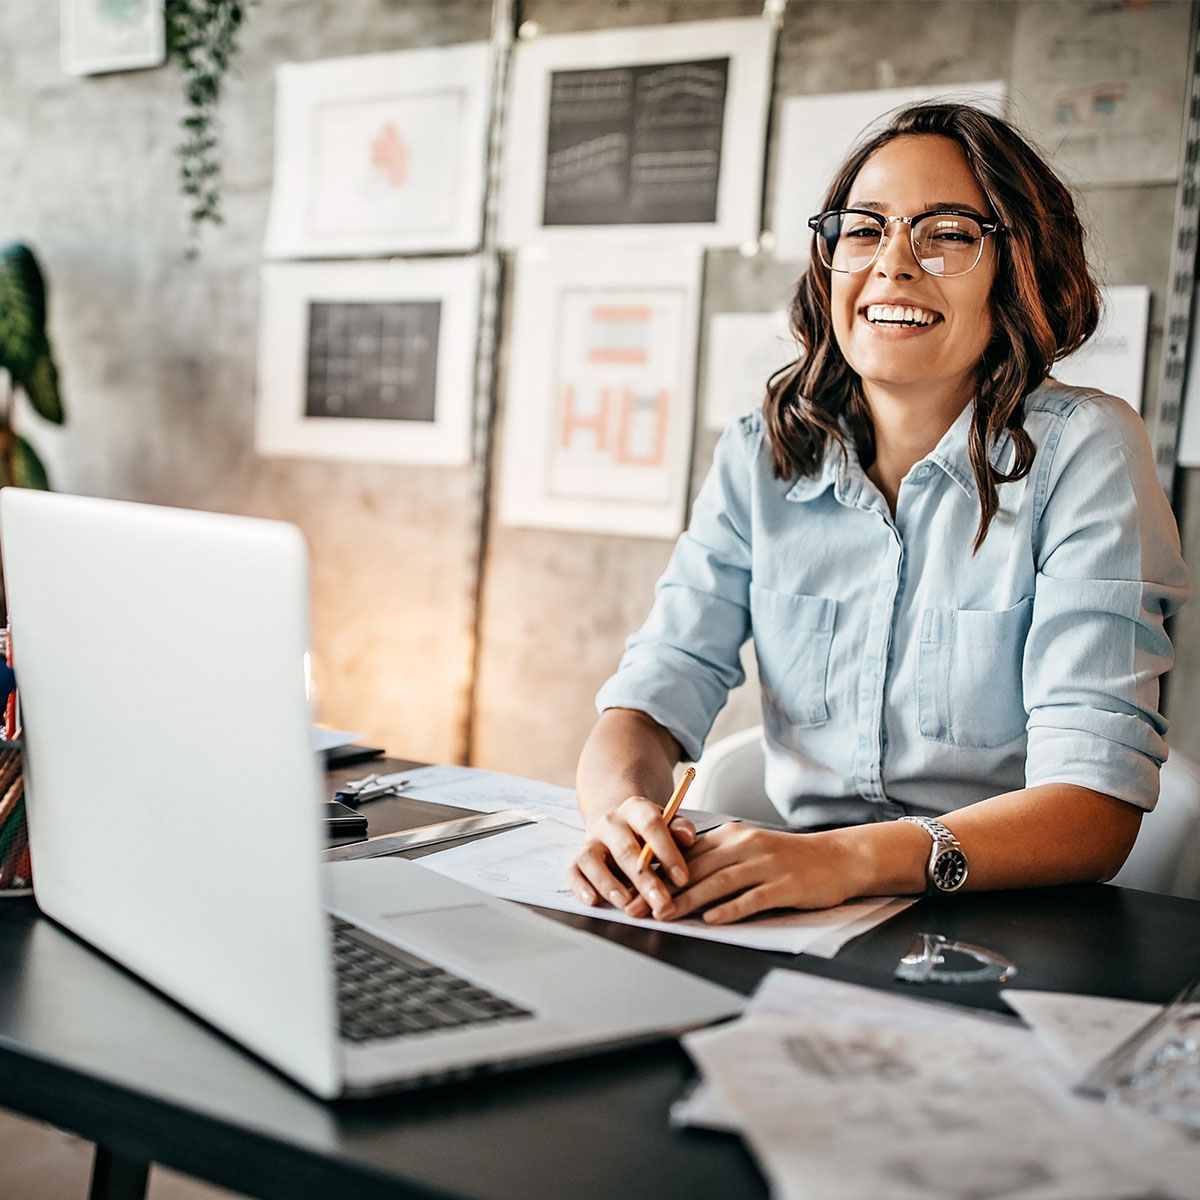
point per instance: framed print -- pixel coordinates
(654, 132)
(111, 35)
(601, 392)
(380, 153)
(371, 362)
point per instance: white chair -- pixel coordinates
(1165, 858)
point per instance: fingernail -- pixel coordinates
(617, 897)
(657, 897)
(679, 875)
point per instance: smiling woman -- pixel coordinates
(955, 570)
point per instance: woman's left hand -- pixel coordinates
(739, 870)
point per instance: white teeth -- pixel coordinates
(899, 315)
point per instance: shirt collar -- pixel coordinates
(951, 454)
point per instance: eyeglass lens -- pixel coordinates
(943, 243)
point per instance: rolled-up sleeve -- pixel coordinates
(681, 665)
(1108, 575)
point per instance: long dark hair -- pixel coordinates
(1044, 305)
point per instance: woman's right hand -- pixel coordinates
(607, 866)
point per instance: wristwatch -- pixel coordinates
(946, 870)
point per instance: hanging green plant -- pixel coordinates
(202, 38)
(26, 364)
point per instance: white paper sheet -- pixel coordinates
(838, 1109)
(487, 791)
(323, 739)
(743, 351)
(969, 1082)
(1080, 1029)
(794, 993)
(1113, 359)
(1188, 448)
(529, 864)
(817, 133)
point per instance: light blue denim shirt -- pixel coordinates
(895, 664)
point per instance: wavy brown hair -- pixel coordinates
(1044, 305)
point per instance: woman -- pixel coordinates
(955, 570)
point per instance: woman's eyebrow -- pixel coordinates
(934, 206)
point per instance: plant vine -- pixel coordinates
(202, 38)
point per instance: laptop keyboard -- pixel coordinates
(386, 992)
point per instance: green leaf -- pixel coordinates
(28, 471)
(41, 386)
(22, 311)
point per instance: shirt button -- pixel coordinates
(923, 470)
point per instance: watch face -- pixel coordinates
(949, 870)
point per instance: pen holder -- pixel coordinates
(15, 875)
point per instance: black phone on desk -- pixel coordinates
(341, 820)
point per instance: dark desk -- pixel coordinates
(86, 1046)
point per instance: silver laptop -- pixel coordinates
(174, 817)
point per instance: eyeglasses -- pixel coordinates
(945, 242)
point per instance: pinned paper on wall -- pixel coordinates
(817, 133)
(743, 351)
(379, 153)
(645, 132)
(601, 392)
(1113, 359)
(1103, 93)
(369, 362)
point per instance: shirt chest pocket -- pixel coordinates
(969, 679)
(792, 639)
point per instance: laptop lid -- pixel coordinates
(160, 659)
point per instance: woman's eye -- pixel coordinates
(955, 236)
(861, 232)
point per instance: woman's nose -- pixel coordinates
(896, 259)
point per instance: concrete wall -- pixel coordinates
(158, 357)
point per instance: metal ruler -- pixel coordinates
(1178, 317)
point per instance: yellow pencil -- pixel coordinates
(685, 782)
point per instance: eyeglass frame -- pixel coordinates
(986, 226)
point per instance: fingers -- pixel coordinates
(590, 879)
(716, 887)
(756, 900)
(608, 866)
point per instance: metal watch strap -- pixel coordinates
(935, 829)
(942, 839)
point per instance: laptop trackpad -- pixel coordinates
(473, 934)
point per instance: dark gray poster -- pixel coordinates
(373, 359)
(635, 145)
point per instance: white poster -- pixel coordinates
(380, 153)
(743, 351)
(368, 361)
(649, 132)
(817, 134)
(1113, 359)
(600, 396)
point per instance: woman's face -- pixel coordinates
(933, 360)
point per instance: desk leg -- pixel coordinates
(117, 1178)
